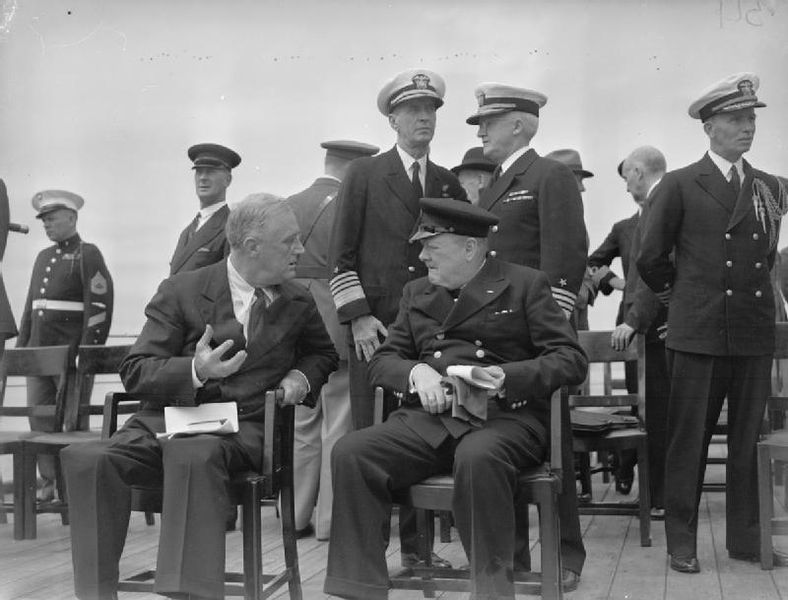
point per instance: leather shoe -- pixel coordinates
(307, 531)
(46, 493)
(623, 486)
(685, 565)
(780, 558)
(411, 559)
(569, 580)
(658, 513)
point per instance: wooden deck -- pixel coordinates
(617, 567)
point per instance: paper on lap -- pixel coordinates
(219, 418)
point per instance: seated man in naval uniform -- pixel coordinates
(469, 310)
(225, 332)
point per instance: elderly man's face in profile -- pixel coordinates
(444, 257)
(414, 121)
(732, 133)
(210, 184)
(279, 246)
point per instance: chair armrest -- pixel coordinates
(112, 409)
(559, 403)
(386, 402)
(278, 441)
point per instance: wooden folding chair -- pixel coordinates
(599, 350)
(540, 485)
(45, 361)
(91, 361)
(251, 490)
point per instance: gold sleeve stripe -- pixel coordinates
(346, 288)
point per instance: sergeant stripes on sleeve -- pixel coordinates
(346, 288)
(564, 298)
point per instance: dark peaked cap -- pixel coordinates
(348, 149)
(213, 156)
(446, 215)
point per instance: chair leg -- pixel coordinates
(645, 493)
(27, 495)
(603, 458)
(61, 488)
(289, 533)
(251, 525)
(584, 465)
(550, 531)
(150, 518)
(765, 505)
(3, 516)
(423, 519)
(445, 519)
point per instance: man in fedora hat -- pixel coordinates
(203, 242)
(541, 226)
(317, 429)
(69, 302)
(370, 257)
(529, 349)
(721, 217)
(474, 172)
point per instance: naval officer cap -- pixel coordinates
(348, 149)
(475, 159)
(446, 215)
(213, 156)
(571, 158)
(408, 85)
(496, 98)
(50, 200)
(735, 92)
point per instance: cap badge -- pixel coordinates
(421, 81)
(745, 87)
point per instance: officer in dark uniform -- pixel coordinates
(318, 428)
(722, 218)
(370, 257)
(541, 226)
(69, 303)
(203, 242)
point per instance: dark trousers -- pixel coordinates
(657, 396)
(368, 464)
(195, 472)
(699, 385)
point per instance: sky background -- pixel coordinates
(103, 98)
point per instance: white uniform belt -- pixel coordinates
(57, 305)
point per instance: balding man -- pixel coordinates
(541, 226)
(720, 218)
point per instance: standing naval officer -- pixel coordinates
(370, 257)
(317, 429)
(69, 302)
(721, 217)
(541, 226)
(203, 241)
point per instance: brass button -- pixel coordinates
(478, 342)
(48, 269)
(758, 293)
(493, 253)
(494, 229)
(729, 292)
(40, 313)
(58, 251)
(53, 260)
(46, 279)
(437, 354)
(758, 265)
(42, 290)
(439, 336)
(728, 263)
(480, 353)
(727, 236)
(755, 236)
(412, 269)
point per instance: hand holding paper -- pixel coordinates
(472, 386)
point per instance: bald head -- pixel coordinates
(641, 170)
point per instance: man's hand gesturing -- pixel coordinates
(208, 363)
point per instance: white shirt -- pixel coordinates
(513, 157)
(724, 165)
(207, 212)
(407, 162)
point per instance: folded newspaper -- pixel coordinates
(219, 418)
(470, 387)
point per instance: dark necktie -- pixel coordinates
(735, 181)
(193, 227)
(257, 313)
(416, 181)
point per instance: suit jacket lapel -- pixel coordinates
(494, 193)
(215, 301)
(398, 181)
(711, 180)
(480, 291)
(212, 227)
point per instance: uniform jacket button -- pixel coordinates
(478, 342)
(758, 293)
(728, 263)
(440, 336)
(412, 269)
(437, 354)
(727, 236)
(480, 353)
(729, 292)
(755, 236)
(758, 265)
(493, 253)
(494, 229)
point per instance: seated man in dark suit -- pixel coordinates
(469, 310)
(226, 332)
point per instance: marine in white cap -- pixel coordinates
(69, 302)
(541, 226)
(720, 218)
(202, 242)
(370, 257)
